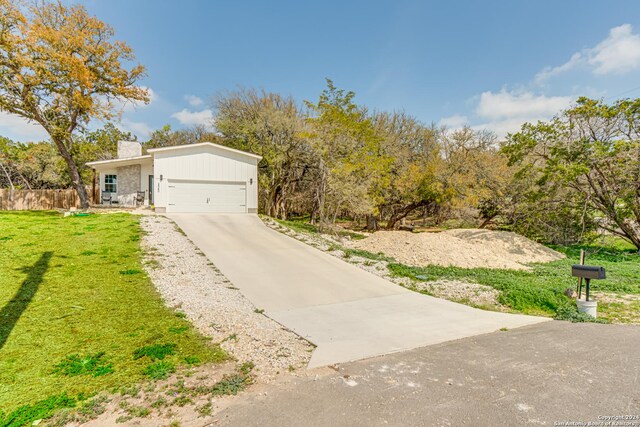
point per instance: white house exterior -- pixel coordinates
(203, 177)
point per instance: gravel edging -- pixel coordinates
(190, 283)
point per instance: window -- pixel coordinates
(110, 183)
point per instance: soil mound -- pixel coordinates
(468, 248)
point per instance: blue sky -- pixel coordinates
(489, 64)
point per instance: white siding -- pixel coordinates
(145, 170)
(205, 163)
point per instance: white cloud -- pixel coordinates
(189, 118)
(455, 121)
(549, 72)
(20, 129)
(502, 127)
(140, 129)
(193, 100)
(505, 105)
(506, 111)
(619, 53)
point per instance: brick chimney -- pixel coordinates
(129, 149)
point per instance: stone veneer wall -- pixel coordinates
(129, 149)
(128, 184)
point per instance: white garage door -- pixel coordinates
(199, 196)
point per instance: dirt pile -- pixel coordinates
(468, 248)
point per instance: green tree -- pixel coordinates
(99, 144)
(272, 126)
(102, 143)
(414, 153)
(8, 173)
(31, 166)
(593, 152)
(41, 166)
(348, 156)
(167, 137)
(473, 174)
(60, 69)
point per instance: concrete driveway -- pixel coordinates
(348, 313)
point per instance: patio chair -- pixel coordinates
(140, 197)
(106, 197)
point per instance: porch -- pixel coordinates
(125, 182)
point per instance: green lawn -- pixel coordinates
(77, 311)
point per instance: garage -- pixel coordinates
(203, 196)
(204, 177)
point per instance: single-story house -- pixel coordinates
(204, 177)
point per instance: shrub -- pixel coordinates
(178, 329)
(159, 370)
(231, 384)
(43, 409)
(155, 352)
(75, 364)
(191, 360)
(568, 311)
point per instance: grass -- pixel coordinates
(159, 370)
(26, 414)
(230, 385)
(540, 290)
(75, 306)
(155, 351)
(205, 410)
(303, 225)
(93, 365)
(349, 252)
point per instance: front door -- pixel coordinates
(150, 189)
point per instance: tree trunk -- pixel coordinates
(317, 212)
(274, 202)
(335, 214)
(25, 181)
(76, 179)
(632, 232)
(487, 221)
(403, 212)
(8, 176)
(372, 223)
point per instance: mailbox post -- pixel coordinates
(587, 273)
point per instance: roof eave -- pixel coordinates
(116, 161)
(203, 144)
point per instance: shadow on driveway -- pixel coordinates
(10, 313)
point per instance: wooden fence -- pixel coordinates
(22, 200)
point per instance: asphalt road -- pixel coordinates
(542, 374)
(348, 313)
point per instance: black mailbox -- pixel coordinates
(588, 272)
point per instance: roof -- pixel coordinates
(204, 144)
(120, 162)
